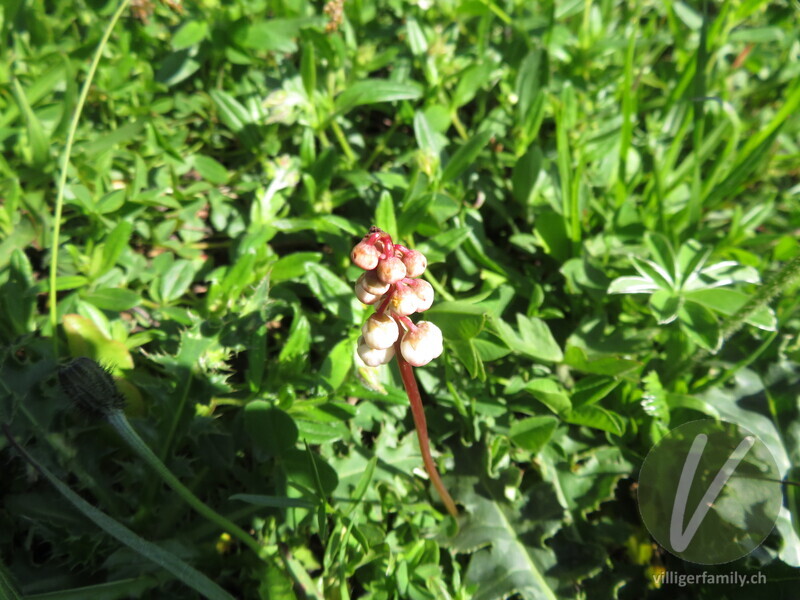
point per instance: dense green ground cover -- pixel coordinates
(601, 188)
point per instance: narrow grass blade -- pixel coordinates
(186, 573)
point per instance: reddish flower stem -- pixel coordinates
(418, 412)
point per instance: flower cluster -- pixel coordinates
(391, 282)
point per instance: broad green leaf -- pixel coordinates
(337, 364)
(189, 34)
(463, 158)
(385, 216)
(115, 299)
(532, 339)
(665, 306)
(84, 338)
(176, 281)
(296, 346)
(416, 38)
(661, 252)
(576, 358)
(271, 429)
(512, 559)
(533, 433)
(292, 265)
(375, 91)
(597, 417)
(470, 81)
(729, 302)
(441, 245)
(115, 244)
(457, 320)
(701, 325)
(210, 169)
(549, 393)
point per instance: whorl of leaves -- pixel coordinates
(90, 386)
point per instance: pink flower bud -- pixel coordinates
(371, 284)
(421, 345)
(391, 270)
(364, 296)
(380, 331)
(424, 293)
(415, 263)
(373, 357)
(365, 256)
(404, 301)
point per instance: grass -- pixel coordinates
(607, 197)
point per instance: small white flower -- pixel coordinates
(404, 301)
(424, 293)
(421, 345)
(364, 296)
(415, 263)
(391, 270)
(365, 256)
(373, 357)
(371, 284)
(380, 331)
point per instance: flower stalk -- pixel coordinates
(391, 283)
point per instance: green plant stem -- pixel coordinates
(62, 178)
(119, 421)
(337, 131)
(418, 412)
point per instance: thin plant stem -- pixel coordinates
(418, 412)
(119, 421)
(62, 179)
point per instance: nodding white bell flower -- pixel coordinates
(424, 293)
(374, 357)
(404, 301)
(422, 344)
(380, 331)
(364, 296)
(391, 270)
(365, 255)
(415, 263)
(371, 284)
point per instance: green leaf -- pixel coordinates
(189, 34)
(416, 38)
(292, 265)
(269, 428)
(299, 341)
(210, 169)
(470, 81)
(458, 320)
(465, 155)
(273, 501)
(576, 358)
(115, 299)
(440, 245)
(176, 281)
(164, 559)
(37, 141)
(115, 244)
(375, 91)
(533, 338)
(665, 306)
(384, 214)
(236, 117)
(508, 562)
(701, 325)
(728, 302)
(597, 417)
(533, 433)
(84, 338)
(549, 393)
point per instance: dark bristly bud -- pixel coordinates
(90, 386)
